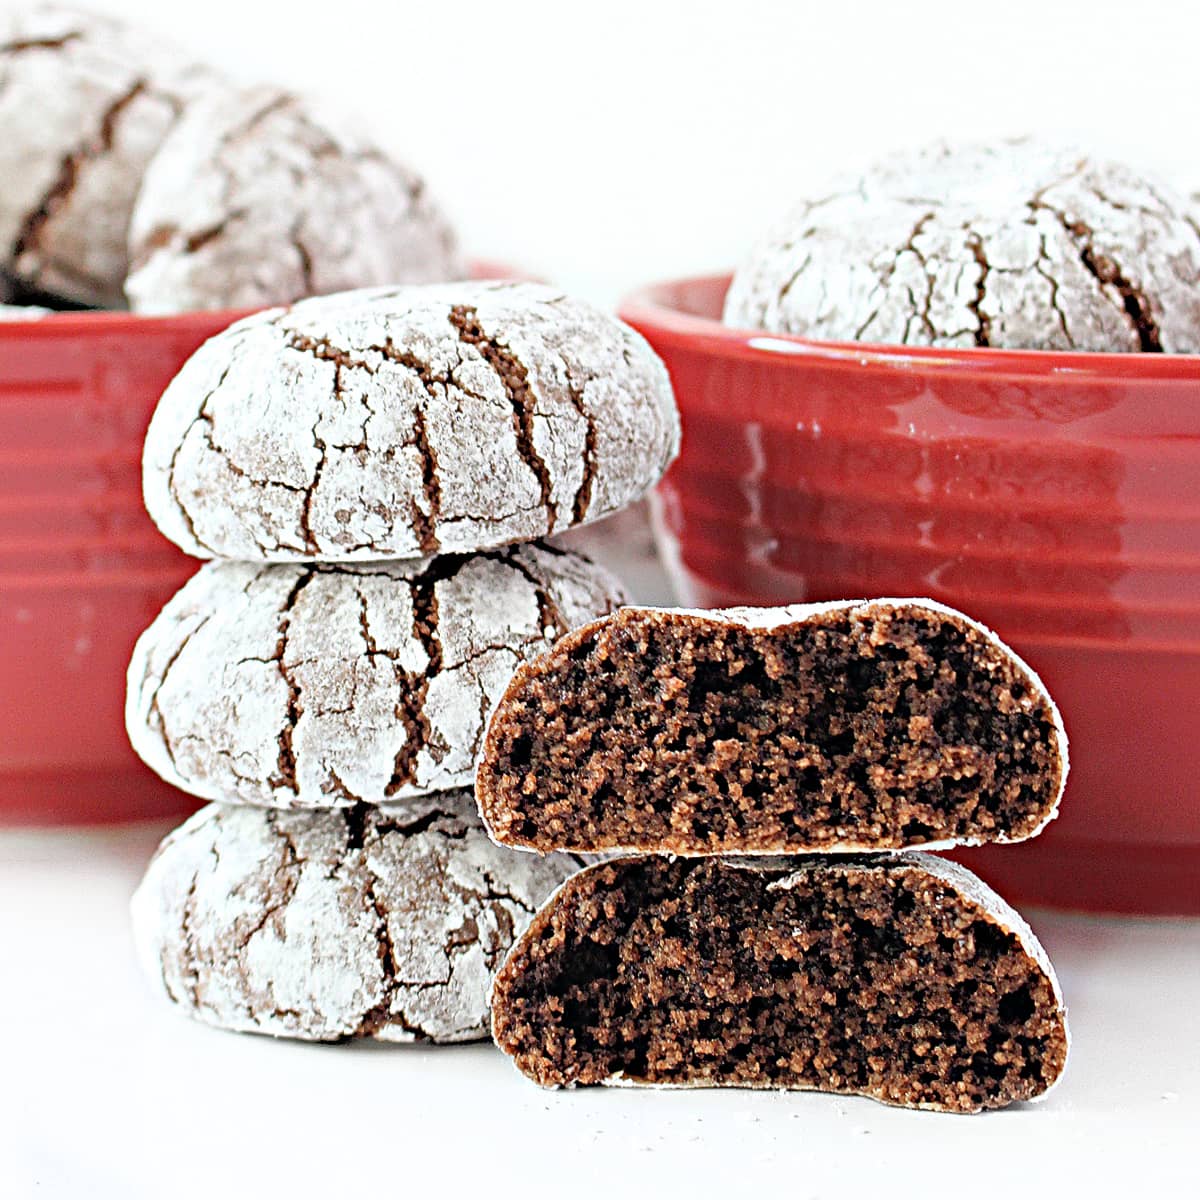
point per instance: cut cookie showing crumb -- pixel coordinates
(900, 977)
(254, 199)
(84, 103)
(323, 686)
(1013, 244)
(324, 926)
(392, 423)
(860, 725)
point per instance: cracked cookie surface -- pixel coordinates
(393, 423)
(322, 686)
(84, 103)
(1013, 244)
(366, 922)
(256, 198)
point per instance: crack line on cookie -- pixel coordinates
(152, 708)
(514, 378)
(285, 772)
(983, 327)
(1108, 273)
(29, 236)
(21, 45)
(583, 495)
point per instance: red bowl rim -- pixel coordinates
(93, 322)
(74, 322)
(651, 307)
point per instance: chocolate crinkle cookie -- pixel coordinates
(84, 103)
(392, 423)
(256, 199)
(1012, 244)
(325, 926)
(856, 725)
(899, 977)
(321, 686)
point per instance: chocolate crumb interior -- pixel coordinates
(872, 727)
(864, 976)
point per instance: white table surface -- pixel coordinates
(106, 1092)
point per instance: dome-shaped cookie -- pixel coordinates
(255, 199)
(84, 103)
(1011, 244)
(332, 925)
(320, 686)
(400, 422)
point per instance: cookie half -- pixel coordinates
(85, 101)
(859, 725)
(322, 686)
(324, 926)
(900, 977)
(255, 198)
(397, 423)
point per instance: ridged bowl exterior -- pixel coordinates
(1055, 497)
(82, 569)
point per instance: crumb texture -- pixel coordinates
(1013, 244)
(384, 923)
(255, 198)
(85, 102)
(323, 686)
(851, 726)
(404, 422)
(901, 978)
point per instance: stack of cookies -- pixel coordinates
(845, 734)
(368, 472)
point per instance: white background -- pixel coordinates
(602, 145)
(108, 1094)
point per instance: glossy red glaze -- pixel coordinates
(82, 569)
(1056, 497)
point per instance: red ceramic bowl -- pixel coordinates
(1055, 497)
(82, 569)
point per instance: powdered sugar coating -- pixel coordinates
(22, 312)
(84, 103)
(384, 923)
(256, 198)
(400, 422)
(1013, 244)
(309, 686)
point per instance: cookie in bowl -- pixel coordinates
(105, 96)
(255, 198)
(1012, 244)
